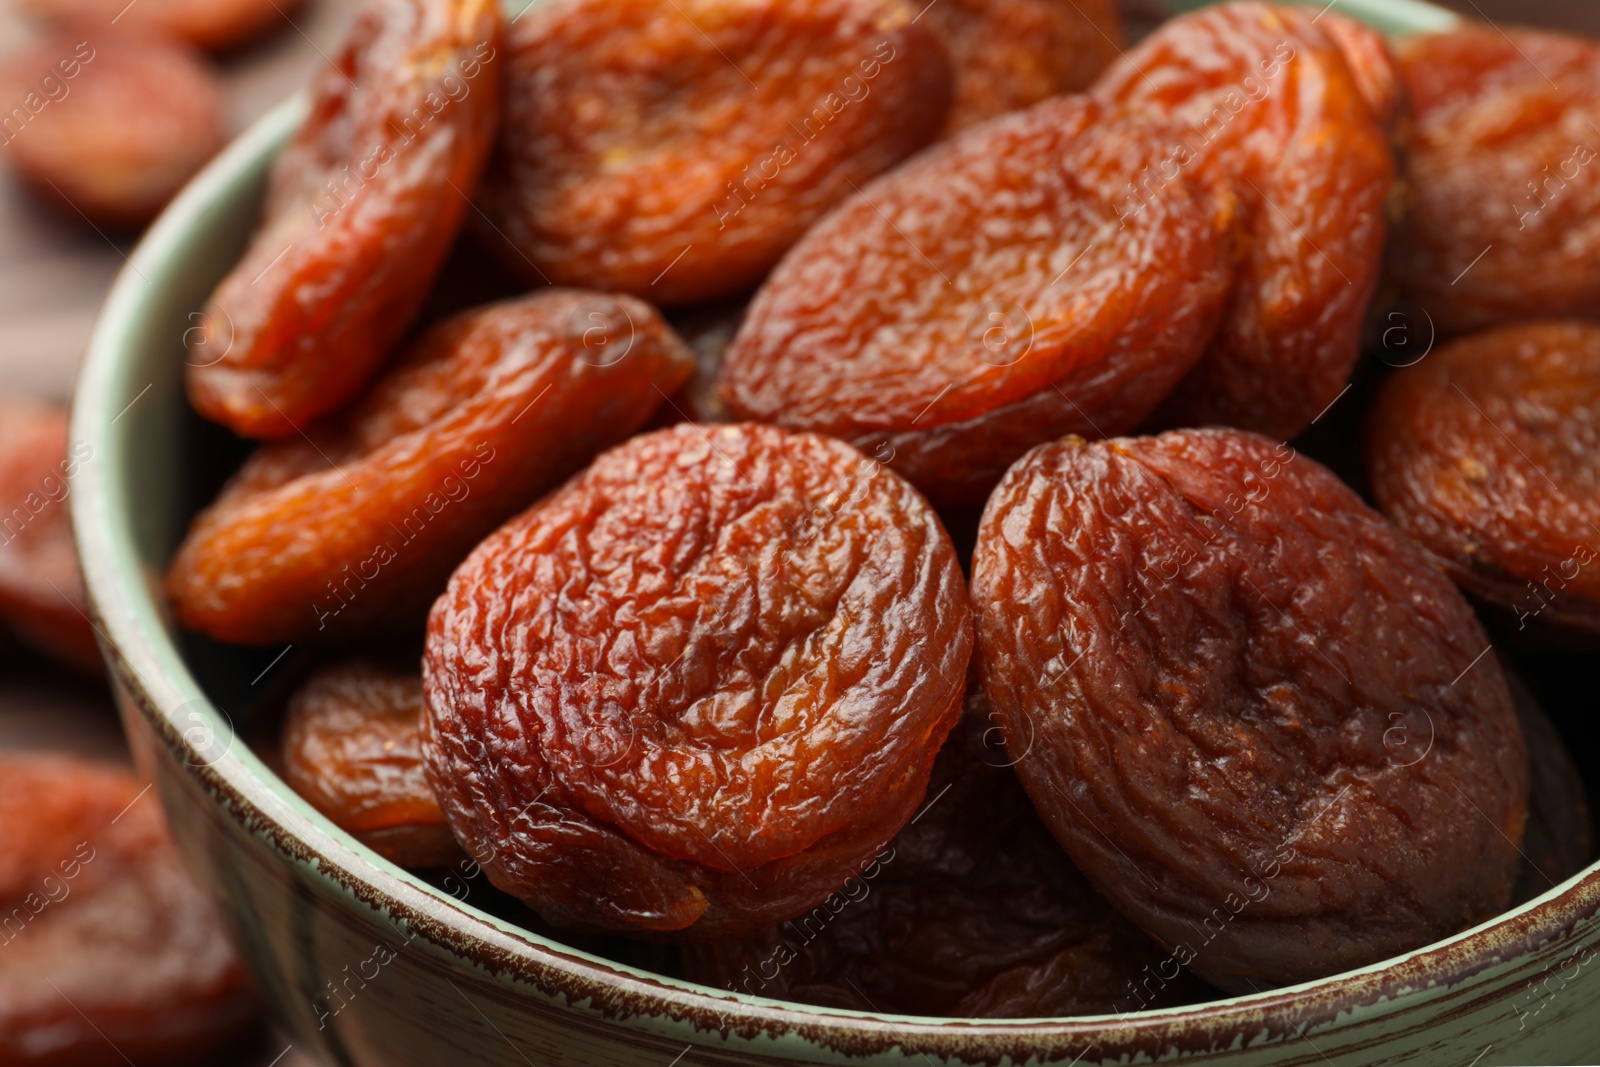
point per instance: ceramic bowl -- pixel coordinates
(367, 964)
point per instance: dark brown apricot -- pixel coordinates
(352, 747)
(215, 25)
(694, 691)
(1559, 839)
(1265, 99)
(708, 333)
(1488, 454)
(108, 952)
(1263, 723)
(360, 521)
(361, 208)
(674, 149)
(1000, 290)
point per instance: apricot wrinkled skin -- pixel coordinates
(362, 206)
(675, 150)
(1266, 100)
(996, 292)
(1504, 190)
(972, 911)
(694, 691)
(485, 412)
(352, 747)
(106, 941)
(215, 25)
(1488, 454)
(122, 122)
(1263, 723)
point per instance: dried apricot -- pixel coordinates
(41, 591)
(215, 25)
(1011, 54)
(674, 149)
(362, 519)
(1268, 101)
(1488, 454)
(106, 946)
(109, 129)
(1263, 723)
(1001, 289)
(361, 208)
(352, 747)
(1559, 839)
(972, 910)
(698, 688)
(1504, 192)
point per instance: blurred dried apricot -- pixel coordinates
(361, 208)
(1559, 840)
(674, 149)
(1263, 723)
(972, 910)
(215, 25)
(109, 129)
(1001, 289)
(1268, 101)
(698, 688)
(1376, 69)
(352, 747)
(1504, 195)
(41, 591)
(108, 952)
(1011, 54)
(362, 519)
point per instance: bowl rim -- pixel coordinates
(145, 662)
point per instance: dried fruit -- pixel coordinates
(110, 128)
(352, 747)
(1263, 723)
(1000, 290)
(105, 941)
(41, 591)
(215, 25)
(1488, 454)
(1011, 54)
(674, 149)
(972, 910)
(697, 689)
(1503, 184)
(361, 521)
(1270, 103)
(361, 209)
(1559, 839)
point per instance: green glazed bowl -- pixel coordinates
(367, 964)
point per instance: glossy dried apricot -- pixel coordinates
(674, 149)
(1267, 100)
(352, 747)
(1011, 54)
(972, 910)
(1488, 454)
(41, 591)
(1263, 723)
(361, 520)
(1001, 289)
(1502, 174)
(215, 25)
(1559, 839)
(110, 128)
(108, 952)
(361, 208)
(698, 688)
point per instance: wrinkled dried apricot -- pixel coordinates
(215, 25)
(1559, 839)
(698, 688)
(1011, 54)
(1503, 184)
(1263, 723)
(1268, 101)
(1001, 289)
(362, 519)
(361, 208)
(1488, 454)
(109, 128)
(41, 591)
(352, 747)
(108, 952)
(674, 149)
(972, 910)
